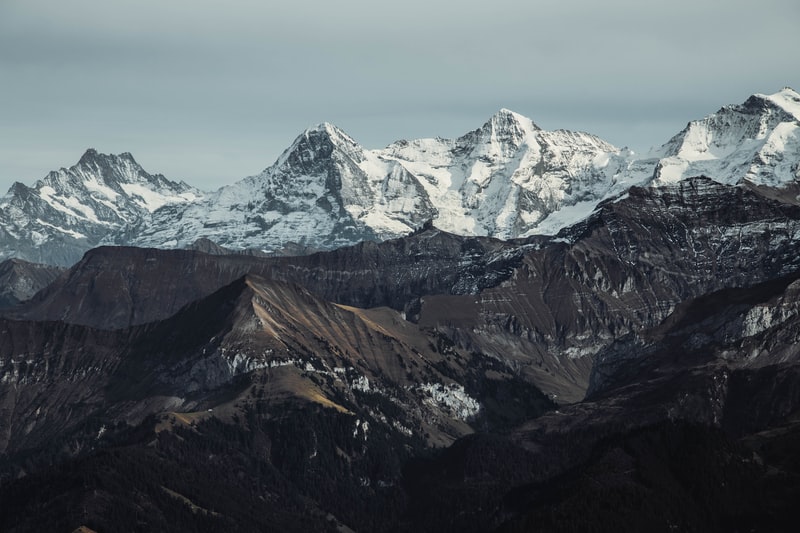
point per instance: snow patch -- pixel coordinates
(94, 186)
(73, 234)
(761, 318)
(452, 398)
(243, 363)
(566, 216)
(360, 384)
(68, 205)
(151, 200)
(362, 428)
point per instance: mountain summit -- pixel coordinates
(755, 142)
(74, 209)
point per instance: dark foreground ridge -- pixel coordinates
(639, 371)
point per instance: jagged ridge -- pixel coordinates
(71, 210)
(508, 178)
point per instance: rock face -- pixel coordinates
(701, 408)
(625, 268)
(313, 195)
(20, 280)
(732, 331)
(115, 287)
(72, 210)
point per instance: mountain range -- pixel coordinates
(514, 330)
(507, 179)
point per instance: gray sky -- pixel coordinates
(211, 92)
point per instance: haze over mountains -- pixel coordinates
(514, 330)
(507, 179)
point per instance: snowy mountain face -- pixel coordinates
(756, 142)
(506, 179)
(326, 190)
(503, 179)
(72, 210)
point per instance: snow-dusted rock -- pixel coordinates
(326, 190)
(756, 142)
(71, 210)
(504, 178)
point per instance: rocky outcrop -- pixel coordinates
(732, 330)
(20, 280)
(625, 268)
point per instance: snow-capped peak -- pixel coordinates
(88, 156)
(739, 143)
(507, 178)
(74, 208)
(507, 116)
(109, 163)
(506, 126)
(333, 132)
(787, 99)
(314, 144)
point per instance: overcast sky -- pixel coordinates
(211, 92)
